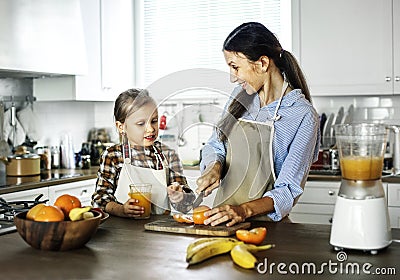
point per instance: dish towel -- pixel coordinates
(29, 121)
(20, 134)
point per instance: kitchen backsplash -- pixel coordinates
(184, 117)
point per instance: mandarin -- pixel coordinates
(198, 214)
(67, 202)
(31, 215)
(49, 214)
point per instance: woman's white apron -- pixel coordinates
(249, 167)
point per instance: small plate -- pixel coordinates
(104, 217)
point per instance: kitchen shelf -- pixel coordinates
(23, 98)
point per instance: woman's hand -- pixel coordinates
(210, 178)
(226, 213)
(175, 192)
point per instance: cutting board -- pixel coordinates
(170, 225)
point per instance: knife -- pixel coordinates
(198, 200)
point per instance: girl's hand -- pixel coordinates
(175, 192)
(226, 213)
(131, 209)
(210, 179)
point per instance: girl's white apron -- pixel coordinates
(131, 174)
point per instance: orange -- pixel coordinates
(198, 214)
(67, 202)
(34, 211)
(49, 214)
(182, 218)
(255, 236)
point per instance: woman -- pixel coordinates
(261, 152)
(140, 159)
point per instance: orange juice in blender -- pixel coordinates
(361, 167)
(142, 193)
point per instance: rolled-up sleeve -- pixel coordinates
(294, 170)
(213, 151)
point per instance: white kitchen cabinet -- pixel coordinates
(83, 190)
(345, 47)
(317, 203)
(396, 45)
(109, 32)
(27, 195)
(393, 195)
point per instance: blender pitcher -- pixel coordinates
(361, 150)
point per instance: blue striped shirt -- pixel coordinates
(295, 145)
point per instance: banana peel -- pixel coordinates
(242, 254)
(76, 214)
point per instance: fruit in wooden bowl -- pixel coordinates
(57, 236)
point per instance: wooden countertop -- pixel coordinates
(122, 249)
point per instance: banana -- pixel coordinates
(87, 215)
(242, 256)
(198, 242)
(76, 214)
(207, 249)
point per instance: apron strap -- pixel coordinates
(162, 162)
(284, 88)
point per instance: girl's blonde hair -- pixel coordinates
(130, 101)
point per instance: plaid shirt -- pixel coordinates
(112, 160)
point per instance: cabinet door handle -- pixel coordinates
(84, 191)
(388, 79)
(397, 78)
(331, 192)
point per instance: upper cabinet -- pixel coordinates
(348, 47)
(396, 45)
(41, 37)
(109, 37)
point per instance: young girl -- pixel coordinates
(140, 159)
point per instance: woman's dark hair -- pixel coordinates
(255, 40)
(129, 101)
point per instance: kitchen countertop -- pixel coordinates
(46, 178)
(122, 249)
(62, 176)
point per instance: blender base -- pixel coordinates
(361, 224)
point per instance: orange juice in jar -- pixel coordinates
(142, 193)
(361, 167)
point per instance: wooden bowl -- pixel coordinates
(56, 236)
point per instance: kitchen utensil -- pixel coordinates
(348, 117)
(22, 163)
(322, 122)
(14, 123)
(361, 206)
(57, 236)
(169, 225)
(198, 200)
(327, 131)
(4, 148)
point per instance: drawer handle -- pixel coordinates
(331, 192)
(388, 79)
(83, 192)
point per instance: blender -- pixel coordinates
(360, 219)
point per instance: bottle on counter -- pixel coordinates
(47, 157)
(55, 157)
